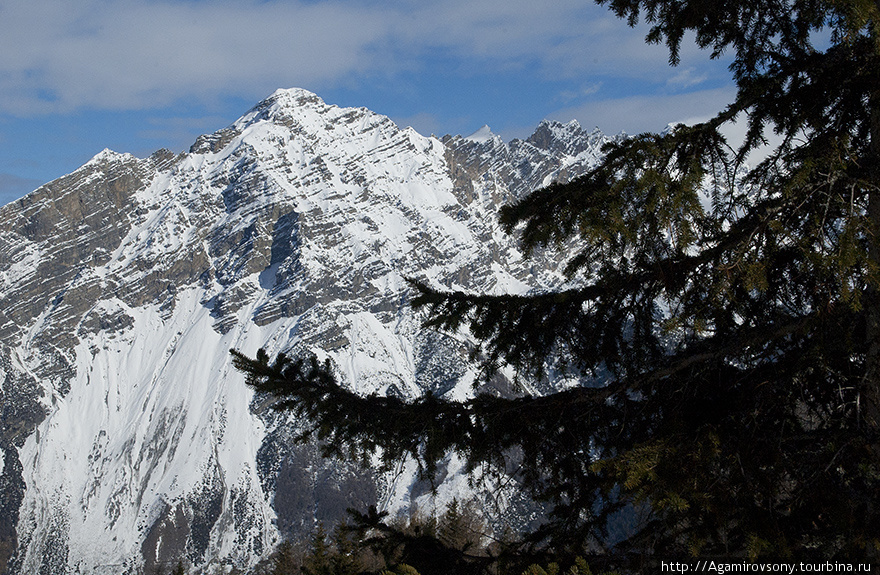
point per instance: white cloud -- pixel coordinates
(569, 95)
(648, 113)
(686, 78)
(57, 55)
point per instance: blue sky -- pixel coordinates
(139, 75)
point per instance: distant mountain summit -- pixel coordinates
(127, 440)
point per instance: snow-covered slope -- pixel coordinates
(126, 437)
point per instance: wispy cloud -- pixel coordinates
(640, 113)
(568, 96)
(685, 79)
(57, 56)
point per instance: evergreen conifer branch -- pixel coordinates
(725, 319)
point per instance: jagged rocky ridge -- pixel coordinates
(126, 438)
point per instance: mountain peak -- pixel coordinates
(569, 138)
(296, 96)
(282, 102)
(484, 134)
(107, 155)
(557, 130)
(571, 125)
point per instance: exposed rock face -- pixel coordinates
(127, 439)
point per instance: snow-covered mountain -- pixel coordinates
(126, 438)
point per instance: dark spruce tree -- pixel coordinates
(732, 312)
